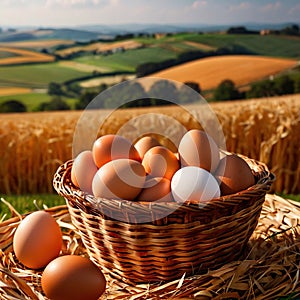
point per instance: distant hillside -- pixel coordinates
(175, 28)
(241, 69)
(49, 33)
(92, 32)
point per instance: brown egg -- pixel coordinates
(110, 147)
(73, 177)
(156, 189)
(37, 240)
(119, 179)
(73, 277)
(83, 171)
(144, 144)
(160, 162)
(234, 174)
(198, 149)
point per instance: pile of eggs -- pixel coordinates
(38, 245)
(147, 171)
(115, 168)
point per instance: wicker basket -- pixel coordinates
(191, 239)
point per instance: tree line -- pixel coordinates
(123, 96)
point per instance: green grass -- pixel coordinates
(32, 100)
(28, 203)
(179, 47)
(37, 75)
(128, 60)
(276, 46)
(155, 50)
(290, 196)
(271, 45)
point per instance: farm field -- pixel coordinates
(138, 50)
(241, 69)
(128, 60)
(37, 44)
(99, 47)
(6, 91)
(33, 99)
(110, 80)
(37, 75)
(270, 45)
(21, 56)
(37, 143)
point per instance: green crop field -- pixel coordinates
(32, 100)
(37, 75)
(128, 60)
(270, 45)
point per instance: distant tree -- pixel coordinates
(226, 91)
(191, 55)
(284, 85)
(194, 85)
(163, 91)
(55, 88)
(45, 50)
(291, 30)
(125, 95)
(74, 88)
(10, 106)
(85, 98)
(189, 95)
(102, 87)
(56, 103)
(297, 85)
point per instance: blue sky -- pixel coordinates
(79, 12)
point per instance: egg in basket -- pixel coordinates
(146, 213)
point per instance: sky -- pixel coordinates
(89, 12)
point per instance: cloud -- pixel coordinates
(240, 6)
(294, 11)
(77, 3)
(198, 3)
(12, 2)
(271, 6)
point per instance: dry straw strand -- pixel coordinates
(269, 270)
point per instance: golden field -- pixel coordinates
(100, 47)
(37, 44)
(210, 72)
(33, 145)
(6, 91)
(24, 56)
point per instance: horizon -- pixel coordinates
(141, 24)
(74, 13)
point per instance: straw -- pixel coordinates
(269, 269)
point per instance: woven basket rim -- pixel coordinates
(264, 179)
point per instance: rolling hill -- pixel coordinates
(241, 69)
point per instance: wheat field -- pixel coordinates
(24, 56)
(33, 145)
(101, 47)
(37, 44)
(6, 91)
(210, 72)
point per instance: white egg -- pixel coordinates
(194, 184)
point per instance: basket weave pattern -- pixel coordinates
(191, 239)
